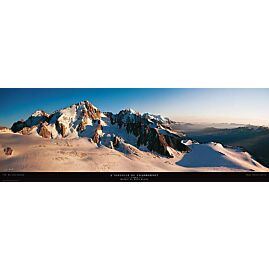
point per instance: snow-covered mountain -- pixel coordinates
(122, 131)
(81, 137)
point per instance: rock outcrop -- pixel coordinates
(62, 129)
(8, 151)
(44, 130)
(27, 130)
(98, 133)
(116, 142)
(93, 112)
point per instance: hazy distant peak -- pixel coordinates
(157, 118)
(132, 111)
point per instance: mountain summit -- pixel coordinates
(124, 131)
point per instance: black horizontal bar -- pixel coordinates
(133, 177)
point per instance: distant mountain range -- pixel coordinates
(254, 139)
(188, 127)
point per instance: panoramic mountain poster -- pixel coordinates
(139, 132)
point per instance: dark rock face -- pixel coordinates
(97, 134)
(96, 138)
(154, 141)
(61, 129)
(152, 133)
(8, 151)
(157, 142)
(116, 141)
(83, 123)
(17, 126)
(92, 112)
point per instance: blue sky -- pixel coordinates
(191, 105)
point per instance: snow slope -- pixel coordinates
(34, 153)
(214, 155)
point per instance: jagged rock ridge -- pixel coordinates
(151, 132)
